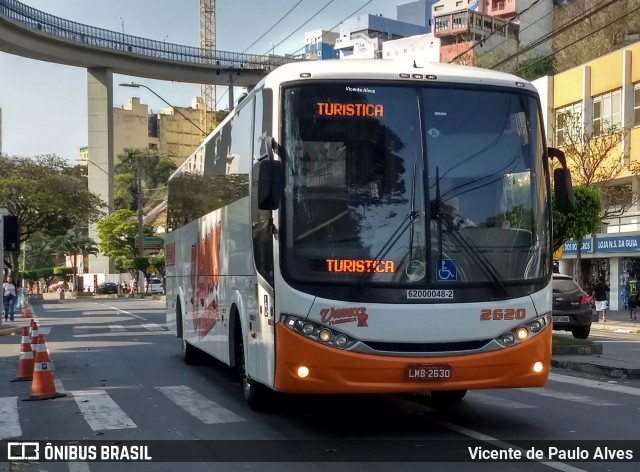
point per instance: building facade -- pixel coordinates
(362, 36)
(319, 45)
(166, 132)
(470, 29)
(605, 91)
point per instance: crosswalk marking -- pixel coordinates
(100, 411)
(585, 400)
(118, 328)
(199, 406)
(153, 327)
(9, 419)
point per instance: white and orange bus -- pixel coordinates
(365, 226)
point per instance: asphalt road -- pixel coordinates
(124, 381)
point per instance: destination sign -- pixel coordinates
(349, 109)
(359, 265)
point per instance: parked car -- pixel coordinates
(572, 309)
(107, 287)
(155, 285)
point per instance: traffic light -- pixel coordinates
(11, 233)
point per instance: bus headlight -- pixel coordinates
(524, 331)
(317, 332)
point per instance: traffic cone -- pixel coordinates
(42, 385)
(26, 312)
(34, 334)
(26, 361)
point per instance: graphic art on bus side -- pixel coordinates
(205, 278)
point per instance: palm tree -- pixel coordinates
(73, 245)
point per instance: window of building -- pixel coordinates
(606, 111)
(568, 122)
(636, 105)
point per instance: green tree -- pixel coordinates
(155, 171)
(46, 195)
(118, 235)
(582, 221)
(73, 245)
(597, 157)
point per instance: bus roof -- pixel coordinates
(385, 69)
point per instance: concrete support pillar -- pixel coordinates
(615, 271)
(100, 143)
(566, 266)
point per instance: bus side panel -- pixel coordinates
(261, 338)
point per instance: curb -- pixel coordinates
(614, 372)
(578, 350)
(10, 331)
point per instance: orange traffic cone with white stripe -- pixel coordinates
(34, 334)
(42, 385)
(25, 363)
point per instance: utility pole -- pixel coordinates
(141, 278)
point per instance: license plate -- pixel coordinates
(560, 319)
(428, 372)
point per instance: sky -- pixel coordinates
(44, 105)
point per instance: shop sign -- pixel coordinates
(618, 244)
(604, 244)
(571, 246)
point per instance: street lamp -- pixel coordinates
(134, 85)
(122, 22)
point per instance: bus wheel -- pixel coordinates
(190, 354)
(448, 396)
(255, 394)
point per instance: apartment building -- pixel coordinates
(603, 92)
(469, 29)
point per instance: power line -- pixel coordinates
(338, 24)
(496, 30)
(546, 37)
(298, 29)
(579, 39)
(273, 26)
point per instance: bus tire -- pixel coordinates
(190, 354)
(448, 396)
(255, 394)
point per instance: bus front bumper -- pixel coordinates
(332, 370)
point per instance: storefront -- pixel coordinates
(611, 257)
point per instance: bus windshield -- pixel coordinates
(415, 186)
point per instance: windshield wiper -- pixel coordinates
(412, 217)
(470, 248)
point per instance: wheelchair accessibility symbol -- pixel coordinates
(446, 270)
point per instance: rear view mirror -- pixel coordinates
(562, 186)
(269, 184)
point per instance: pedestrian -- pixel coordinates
(631, 289)
(9, 298)
(600, 295)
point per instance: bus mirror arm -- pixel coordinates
(562, 186)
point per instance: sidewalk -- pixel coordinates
(617, 365)
(601, 362)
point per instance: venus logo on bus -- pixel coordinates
(333, 316)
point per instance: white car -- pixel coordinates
(155, 286)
